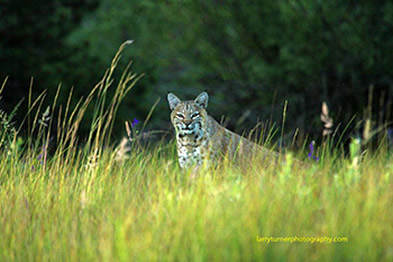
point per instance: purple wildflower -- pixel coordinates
(134, 122)
(390, 135)
(40, 158)
(311, 153)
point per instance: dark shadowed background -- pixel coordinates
(251, 56)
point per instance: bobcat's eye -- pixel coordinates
(180, 115)
(195, 115)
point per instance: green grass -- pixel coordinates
(145, 208)
(78, 203)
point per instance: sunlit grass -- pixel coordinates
(145, 208)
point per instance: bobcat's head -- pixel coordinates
(189, 117)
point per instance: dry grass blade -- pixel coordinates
(326, 120)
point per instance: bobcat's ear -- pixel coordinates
(202, 99)
(173, 101)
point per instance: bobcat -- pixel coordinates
(199, 137)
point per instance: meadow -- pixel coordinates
(80, 201)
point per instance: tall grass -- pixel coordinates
(81, 203)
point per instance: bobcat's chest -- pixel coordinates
(191, 153)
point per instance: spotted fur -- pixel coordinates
(200, 138)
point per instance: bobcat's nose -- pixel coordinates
(187, 123)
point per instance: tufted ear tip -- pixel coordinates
(173, 100)
(202, 99)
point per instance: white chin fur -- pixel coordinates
(187, 132)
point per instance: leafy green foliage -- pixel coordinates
(33, 45)
(250, 55)
(253, 55)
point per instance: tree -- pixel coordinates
(33, 45)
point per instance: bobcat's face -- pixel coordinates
(189, 117)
